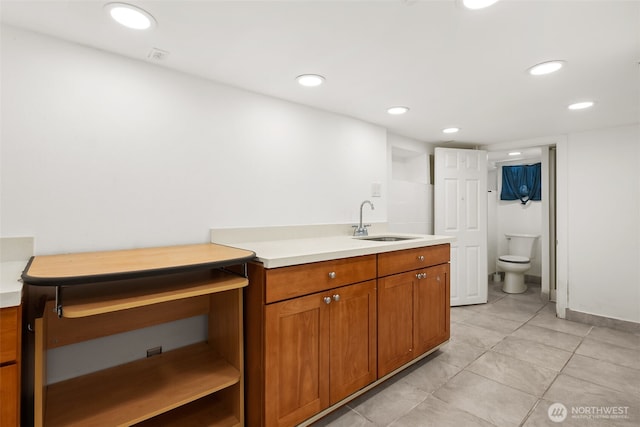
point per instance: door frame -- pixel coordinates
(561, 205)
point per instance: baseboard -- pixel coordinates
(533, 280)
(606, 322)
(528, 279)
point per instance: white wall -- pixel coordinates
(103, 152)
(514, 217)
(410, 193)
(604, 222)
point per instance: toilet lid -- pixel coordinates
(514, 258)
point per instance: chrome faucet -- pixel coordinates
(360, 229)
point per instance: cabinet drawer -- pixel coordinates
(9, 334)
(412, 259)
(290, 282)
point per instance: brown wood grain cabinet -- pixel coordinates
(315, 332)
(307, 352)
(10, 360)
(395, 321)
(297, 359)
(353, 339)
(431, 309)
(413, 306)
(322, 348)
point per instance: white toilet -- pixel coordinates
(521, 250)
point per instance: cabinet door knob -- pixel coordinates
(327, 300)
(336, 297)
(332, 275)
(420, 258)
(421, 276)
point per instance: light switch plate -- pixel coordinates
(375, 189)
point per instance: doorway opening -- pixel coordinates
(538, 218)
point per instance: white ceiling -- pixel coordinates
(450, 65)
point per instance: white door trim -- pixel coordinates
(562, 209)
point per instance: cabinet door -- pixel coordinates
(431, 309)
(296, 359)
(395, 321)
(353, 339)
(9, 392)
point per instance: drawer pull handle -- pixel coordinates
(332, 275)
(336, 297)
(327, 300)
(421, 276)
(420, 258)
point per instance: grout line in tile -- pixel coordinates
(512, 387)
(601, 360)
(483, 351)
(564, 332)
(531, 411)
(591, 382)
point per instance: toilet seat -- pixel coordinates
(516, 259)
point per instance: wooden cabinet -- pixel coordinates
(413, 306)
(321, 348)
(10, 360)
(312, 350)
(395, 321)
(318, 334)
(353, 339)
(431, 309)
(197, 385)
(297, 359)
(290, 282)
(412, 259)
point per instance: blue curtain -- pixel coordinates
(522, 182)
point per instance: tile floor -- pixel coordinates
(507, 362)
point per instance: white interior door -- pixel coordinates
(460, 210)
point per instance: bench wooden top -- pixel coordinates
(90, 267)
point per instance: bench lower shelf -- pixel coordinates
(210, 411)
(137, 391)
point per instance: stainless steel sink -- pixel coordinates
(386, 238)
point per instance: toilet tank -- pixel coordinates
(522, 244)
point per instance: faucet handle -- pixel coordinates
(360, 231)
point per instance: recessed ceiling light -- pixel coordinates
(546, 68)
(581, 105)
(450, 130)
(515, 153)
(130, 16)
(478, 4)
(397, 110)
(310, 80)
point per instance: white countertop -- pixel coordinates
(286, 252)
(11, 283)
